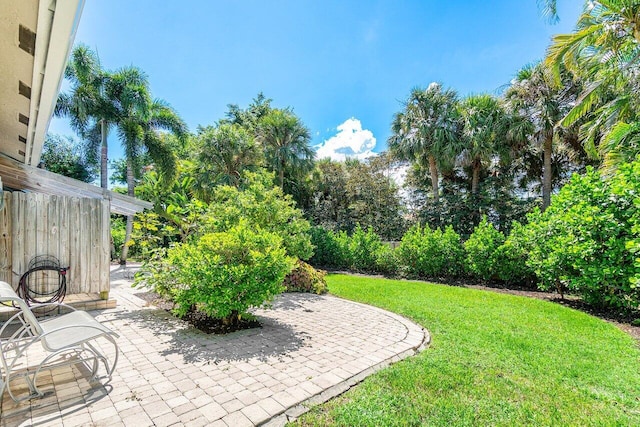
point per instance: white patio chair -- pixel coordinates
(66, 338)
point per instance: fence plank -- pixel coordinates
(105, 243)
(6, 234)
(74, 230)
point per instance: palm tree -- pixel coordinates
(140, 126)
(482, 128)
(286, 144)
(426, 130)
(605, 51)
(223, 153)
(89, 108)
(535, 95)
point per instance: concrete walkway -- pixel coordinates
(309, 349)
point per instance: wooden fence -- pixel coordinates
(74, 230)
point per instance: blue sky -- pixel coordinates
(343, 66)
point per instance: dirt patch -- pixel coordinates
(198, 320)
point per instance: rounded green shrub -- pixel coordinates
(224, 274)
(331, 249)
(481, 260)
(511, 259)
(424, 252)
(386, 260)
(261, 205)
(363, 248)
(305, 278)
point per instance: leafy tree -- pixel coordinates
(223, 153)
(345, 194)
(535, 95)
(486, 130)
(65, 156)
(285, 140)
(426, 130)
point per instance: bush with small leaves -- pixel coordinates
(511, 259)
(587, 240)
(224, 274)
(261, 205)
(363, 248)
(424, 252)
(331, 249)
(481, 259)
(386, 260)
(305, 278)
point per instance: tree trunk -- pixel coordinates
(433, 168)
(124, 252)
(475, 180)
(103, 154)
(546, 173)
(104, 158)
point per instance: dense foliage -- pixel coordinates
(587, 241)
(261, 205)
(425, 252)
(223, 274)
(65, 156)
(481, 250)
(236, 255)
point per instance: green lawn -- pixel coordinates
(494, 359)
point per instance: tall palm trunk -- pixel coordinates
(433, 168)
(103, 154)
(546, 173)
(475, 178)
(129, 228)
(104, 158)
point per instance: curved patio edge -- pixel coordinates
(309, 349)
(417, 338)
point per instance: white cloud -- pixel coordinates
(351, 142)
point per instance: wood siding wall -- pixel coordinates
(74, 230)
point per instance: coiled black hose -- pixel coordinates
(33, 291)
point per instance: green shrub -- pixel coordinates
(424, 252)
(511, 258)
(481, 250)
(261, 205)
(386, 260)
(586, 240)
(363, 248)
(331, 249)
(118, 232)
(224, 274)
(305, 278)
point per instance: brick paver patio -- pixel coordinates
(309, 349)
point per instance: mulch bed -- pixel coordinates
(198, 320)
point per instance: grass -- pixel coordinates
(494, 359)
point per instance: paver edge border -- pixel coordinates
(293, 412)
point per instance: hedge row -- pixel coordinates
(587, 243)
(424, 253)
